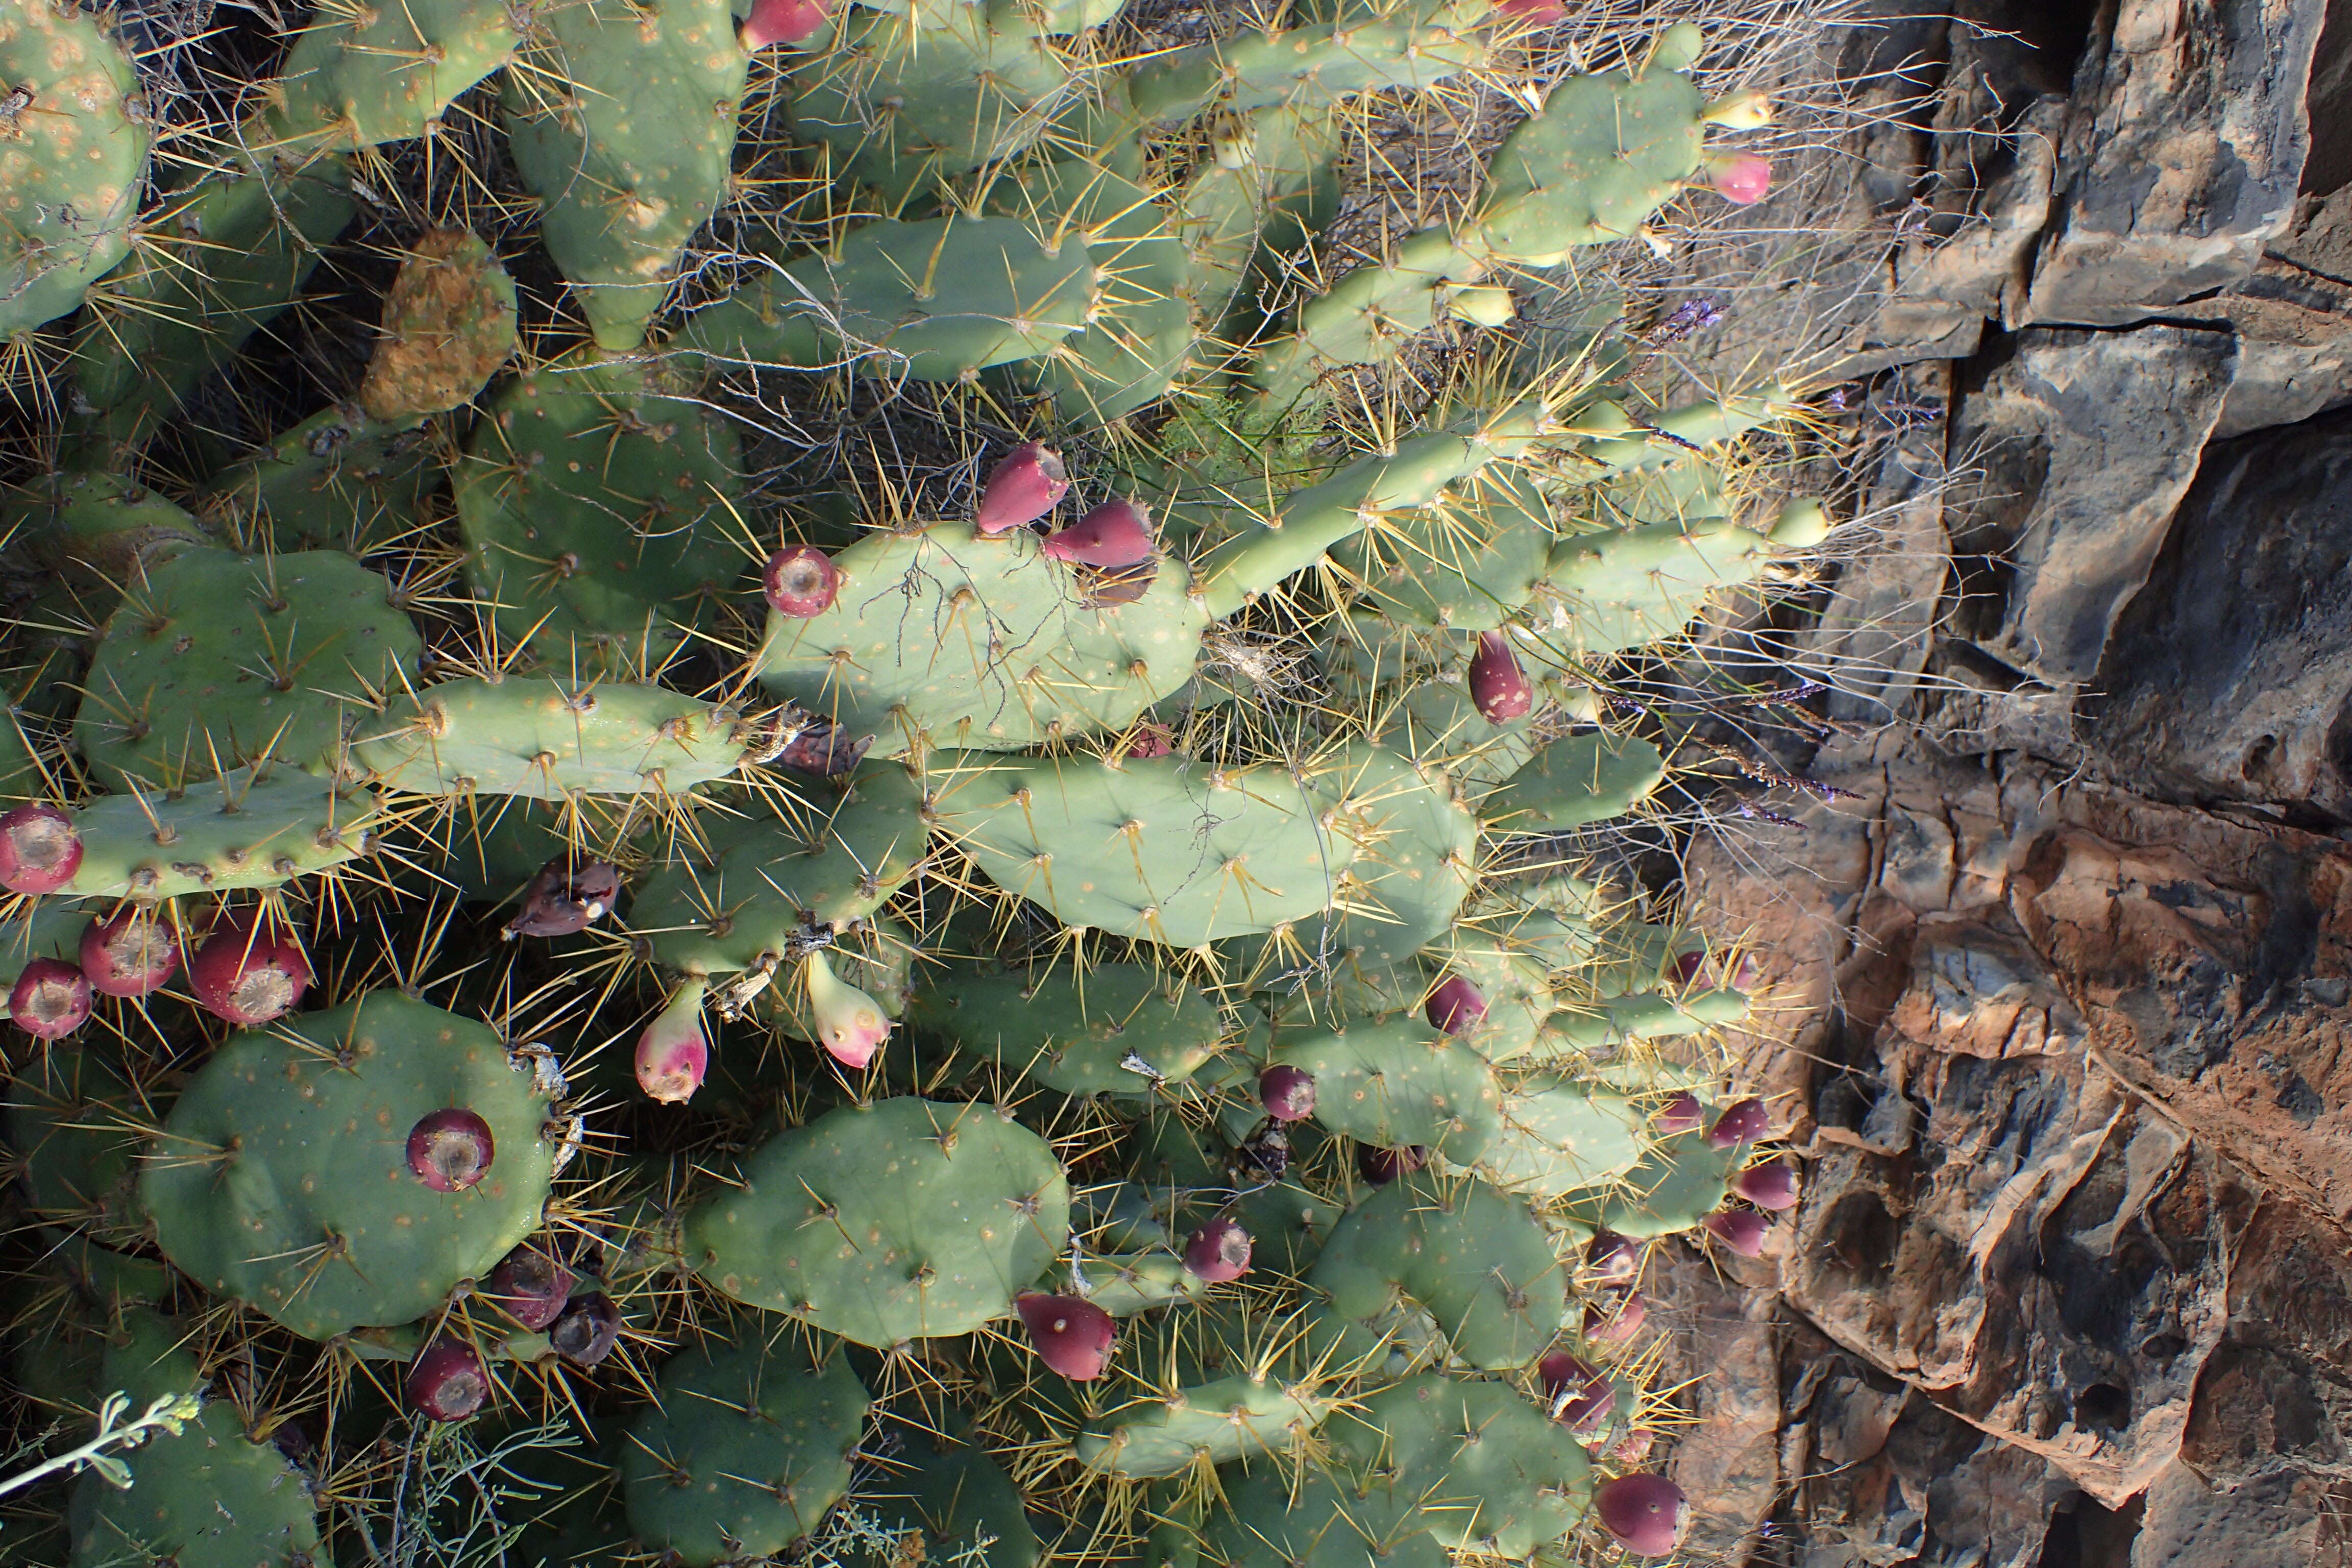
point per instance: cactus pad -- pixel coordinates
(1076, 1035)
(252, 828)
(1474, 1260)
(546, 738)
(70, 161)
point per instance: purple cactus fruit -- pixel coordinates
(1683, 1113)
(248, 972)
(1266, 1152)
(1604, 1327)
(775, 22)
(1455, 1006)
(587, 1331)
(446, 1381)
(673, 1054)
(1532, 12)
(530, 1286)
(565, 897)
(1116, 533)
(850, 1023)
(1741, 178)
(1613, 1259)
(1742, 1230)
(1645, 1512)
(1771, 1185)
(130, 954)
(451, 1150)
(1381, 1166)
(1029, 482)
(1578, 1395)
(39, 851)
(1218, 1251)
(1286, 1092)
(50, 999)
(1633, 1446)
(801, 581)
(1072, 1334)
(1150, 741)
(1498, 685)
(1742, 1123)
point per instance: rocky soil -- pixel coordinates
(2064, 957)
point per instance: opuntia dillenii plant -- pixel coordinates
(131, 954)
(50, 999)
(248, 971)
(1028, 483)
(1071, 1334)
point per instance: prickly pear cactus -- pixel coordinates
(856, 789)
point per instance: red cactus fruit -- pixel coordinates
(50, 999)
(801, 581)
(1771, 1185)
(249, 973)
(673, 1054)
(565, 897)
(1683, 1113)
(850, 1023)
(1455, 1006)
(1742, 1123)
(446, 1381)
(1381, 1166)
(39, 851)
(451, 1150)
(530, 1285)
(1578, 1395)
(1116, 533)
(1072, 1334)
(1532, 12)
(1150, 741)
(1286, 1092)
(1218, 1251)
(773, 22)
(1498, 685)
(1645, 1512)
(1612, 1258)
(1025, 485)
(1633, 1446)
(1604, 1327)
(588, 1330)
(130, 954)
(1741, 178)
(1742, 1230)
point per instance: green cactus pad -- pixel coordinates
(1575, 780)
(545, 738)
(220, 660)
(900, 1220)
(1158, 849)
(208, 1497)
(957, 1496)
(1125, 1285)
(1677, 1182)
(1474, 1260)
(365, 75)
(595, 506)
(71, 166)
(1399, 1083)
(1467, 563)
(338, 480)
(73, 1121)
(764, 884)
(1647, 1016)
(1220, 1420)
(1412, 848)
(939, 299)
(1075, 1034)
(50, 928)
(624, 130)
(1321, 1521)
(1307, 69)
(1606, 153)
(1287, 1226)
(253, 828)
(1645, 584)
(747, 1448)
(1487, 1471)
(1010, 655)
(1558, 1136)
(285, 1180)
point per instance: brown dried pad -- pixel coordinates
(448, 325)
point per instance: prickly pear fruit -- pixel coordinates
(1742, 1230)
(1026, 485)
(1532, 12)
(1286, 1092)
(249, 973)
(1381, 1166)
(530, 1286)
(1633, 1446)
(1771, 1185)
(1603, 1326)
(801, 581)
(565, 897)
(1579, 1394)
(1740, 178)
(1218, 1251)
(39, 851)
(588, 1330)
(1116, 533)
(1455, 1006)
(446, 1381)
(1744, 1122)
(1266, 1152)
(849, 1024)
(673, 1054)
(1612, 1258)
(1072, 1334)
(50, 999)
(1683, 1113)
(1644, 1513)
(130, 954)
(1150, 741)
(775, 22)
(451, 1150)
(1498, 685)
